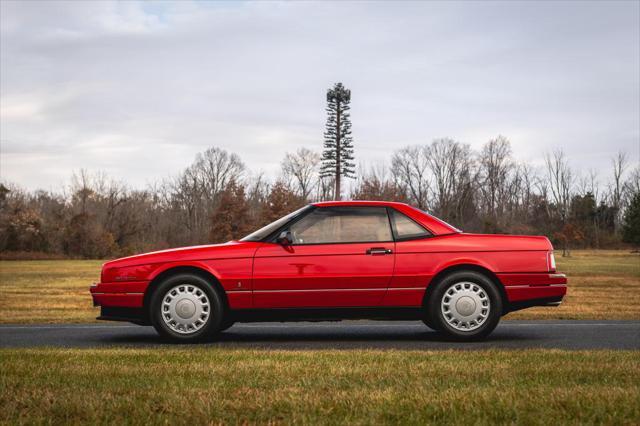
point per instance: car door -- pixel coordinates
(414, 265)
(338, 257)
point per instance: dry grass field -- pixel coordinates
(47, 291)
(602, 285)
(227, 386)
(208, 385)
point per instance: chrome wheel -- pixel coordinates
(465, 306)
(185, 308)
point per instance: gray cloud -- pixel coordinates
(136, 89)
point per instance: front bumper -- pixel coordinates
(121, 301)
(134, 315)
(121, 294)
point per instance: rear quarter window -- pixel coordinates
(406, 228)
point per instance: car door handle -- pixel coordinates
(378, 251)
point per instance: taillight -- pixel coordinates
(551, 262)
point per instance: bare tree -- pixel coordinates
(187, 202)
(96, 216)
(410, 168)
(326, 188)
(592, 185)
(215, 168)
(560, 179)
(257, 196)
(518, 197)
(495, 164)
(302, 168)
(632, 185)
(529, 179)
(196, 191)
(82, 189)
(619, 163)
(587, 187)
(450, 164)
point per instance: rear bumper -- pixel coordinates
(527, 290)
(523, 304)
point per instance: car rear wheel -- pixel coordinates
(465, 305)
(429, 323)
(185, 308)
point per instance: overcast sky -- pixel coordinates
(137, 89)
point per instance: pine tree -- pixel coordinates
(337, 157)
(631, 227)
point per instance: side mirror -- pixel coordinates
(285, 238)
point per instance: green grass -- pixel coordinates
(602, 284)
(212, 385)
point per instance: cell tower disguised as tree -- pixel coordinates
(337, 157)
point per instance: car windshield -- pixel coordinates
(265, 231)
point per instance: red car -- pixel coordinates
(336, 260)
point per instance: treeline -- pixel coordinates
(217, 199)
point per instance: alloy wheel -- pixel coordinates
(465, 306)
(185, 309)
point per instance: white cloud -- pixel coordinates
(137, 88)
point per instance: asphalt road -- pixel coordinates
(338, 335)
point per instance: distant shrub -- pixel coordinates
(31, 255)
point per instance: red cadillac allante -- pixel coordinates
(335, 260)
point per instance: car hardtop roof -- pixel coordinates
(358, 203)
(432, 223)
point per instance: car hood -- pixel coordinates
(230, 249)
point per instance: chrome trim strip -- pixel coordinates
(407, 288)
(118, 294)
(340, 289)
(557, 276)
(319, 289)
(534, 285)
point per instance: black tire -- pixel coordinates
(429, 323)
(213, 322)
(226, 324)
(436, 316)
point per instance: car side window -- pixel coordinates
(326, 225)
(406, 228)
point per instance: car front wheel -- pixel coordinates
(185, 308)
(465, 305)
(226, 324)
